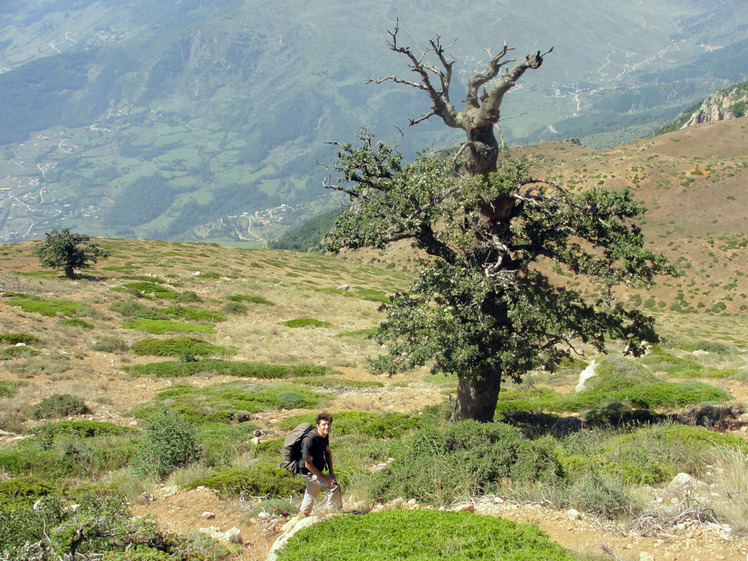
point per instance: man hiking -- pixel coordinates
(315, 455)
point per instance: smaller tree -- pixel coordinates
(69, 251)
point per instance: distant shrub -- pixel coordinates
(8, 388)
(289, 399)
(169, 443)
(176, 346)
(306, 322)
(234, 308)
(161, 326)
(250, 299)
(151, 288)
(226, 368)
(374, 425)
(226, 403)
(16, 338)
(134, 309)
(59, 405)
(111, 344)
(81, 429)
(77, 322)
(188, 297)
(421, 534)
(49, 308)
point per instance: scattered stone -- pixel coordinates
(208, 515)
(465, 508)
(574, 513)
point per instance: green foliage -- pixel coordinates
(81, 429)
(16, 338)
(8, 388)
(306, 322)
(77, 322)
(421, 535)
(50, 308)
(223, 403)
(23, 491)
(289, 399)
(226, 368)
(61, 451)
(178, 345)
(262, 480)
(111, 344)
(59, 405)
(150, 288)
(466, 458)
(480, 308)
(250, 299)
(99, 525)
(169, 443)
(69, 251)
(162, 326)
(373, 425)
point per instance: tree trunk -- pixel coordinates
(476, 398)
(483, 151)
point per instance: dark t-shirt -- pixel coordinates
(313, 446)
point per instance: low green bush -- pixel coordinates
(82, 429)
(465, 459)
(421, 535)
(14, 352)
(234, 308)
(16, 338)
(50, 308)
(228, 403)
(260, 481)
(306, 322)
(161, 326)
(77, 322)
(110, 344)
(169, 443)
(9, 389)
(375, 425)
(250, 299)
(178, 345)
(153, 289)
(23, 491)
(100, 527)
(289, 399)
(59, 405)
(262, 370)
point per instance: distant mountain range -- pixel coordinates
(205, 119)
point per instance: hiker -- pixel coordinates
(315, 455)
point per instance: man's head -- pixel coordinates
(324, 424)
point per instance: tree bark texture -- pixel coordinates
(476, 398)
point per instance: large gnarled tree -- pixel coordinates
(485, 307)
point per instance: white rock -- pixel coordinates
(585, 375)
(574, 513)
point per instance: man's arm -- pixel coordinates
(328, 459)
(309, 464)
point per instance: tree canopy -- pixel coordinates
(487, 305)
(69, 251)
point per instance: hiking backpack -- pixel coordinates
(291, 452)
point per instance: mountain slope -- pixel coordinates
(200, 119)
